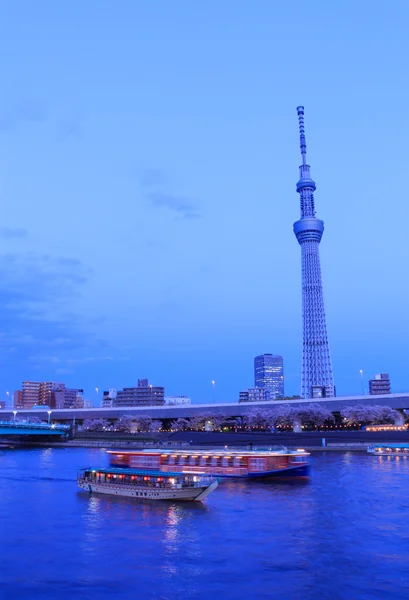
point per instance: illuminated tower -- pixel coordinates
(316, 379)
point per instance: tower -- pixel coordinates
(316, 379)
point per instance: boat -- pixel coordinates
(146, 484)
(242, 464)
(389, 449)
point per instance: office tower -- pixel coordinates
(316, 359)
(269, 374)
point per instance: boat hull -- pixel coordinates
(299, 471)
(196, 494)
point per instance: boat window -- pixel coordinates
(257, 464)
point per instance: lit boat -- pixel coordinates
(246, 464)
(389, 449)
(146, 484)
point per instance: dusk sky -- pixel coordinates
(149, 154)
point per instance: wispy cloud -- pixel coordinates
(9, 232)
(28, 110)
(89, 359)
(68, 127)
(154, 178)
(38, 325)
(183, 207)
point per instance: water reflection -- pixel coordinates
(342, 535)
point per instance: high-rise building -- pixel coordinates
(45, 393)
(380, 384)
(143, 395)
(269, 374)
(316, 359)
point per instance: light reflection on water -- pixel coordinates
(343, 534)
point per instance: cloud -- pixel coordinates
(28, 110)
(47, 359)
(88, 359)
(154, 178)
(33, 280)
(39, 327)
(68, 127)
(64, 371)
(183, 207)
(17, 232)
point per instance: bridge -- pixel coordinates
(230, 409)
(19, 428)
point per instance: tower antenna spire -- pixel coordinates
(317, 379)
(303, 143)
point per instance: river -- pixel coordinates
(342, 535)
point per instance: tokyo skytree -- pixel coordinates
(316, 378)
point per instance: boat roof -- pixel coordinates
(144, 472)
(213, 452)
(390, 445)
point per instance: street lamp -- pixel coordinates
(8, 397)
(214, 393)
(362, 380)
(14, 413)
(49, 416)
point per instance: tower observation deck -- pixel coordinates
(316, 379)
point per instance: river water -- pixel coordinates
(342, 535)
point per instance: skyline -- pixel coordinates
(140, 200)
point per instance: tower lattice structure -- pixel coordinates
(317, 378)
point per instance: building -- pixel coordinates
(379, 385)
(108, 398)
(2, 404)
(257, 394)
(143, 395)
(316, 359)
(45, 393)
(18, 399)
(175, 400)
(269, 374)
(30, 394)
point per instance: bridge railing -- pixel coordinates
(27, 424)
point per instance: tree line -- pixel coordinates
(280, 417)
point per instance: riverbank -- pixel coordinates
(313, 441)
(351, 447)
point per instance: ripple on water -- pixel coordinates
(345, 534)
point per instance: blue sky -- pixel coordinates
(148, 159)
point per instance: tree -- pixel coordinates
(95, 425)
(375, 414)
(284, 415)
(314, 415)
(257, 418)
(141, 423)
(125, 423)
(181, 424)
(156, 425)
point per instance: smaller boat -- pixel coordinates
(389, 449)
(146, 485)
